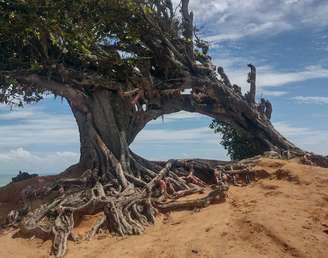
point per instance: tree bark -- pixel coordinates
(104, 129)
(111, 111)
(127, 188)
(111, 123)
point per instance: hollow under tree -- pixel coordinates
(119, 64)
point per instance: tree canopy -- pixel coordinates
(100, 41)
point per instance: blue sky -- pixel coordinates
(287, 40)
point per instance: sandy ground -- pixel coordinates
(283, 215)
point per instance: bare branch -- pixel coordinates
(74, 96)
(188, 28)
(252, 80)
(224, 77)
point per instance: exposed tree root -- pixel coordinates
(217, 194)
(129, 210)
(95, 228)
(62, 228)
(315, 160)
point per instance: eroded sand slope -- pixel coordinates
(282, 215)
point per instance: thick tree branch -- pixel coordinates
(76, 97)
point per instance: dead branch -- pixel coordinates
(224, 77)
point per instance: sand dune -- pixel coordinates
(282, 215)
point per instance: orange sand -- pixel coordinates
(284, 215)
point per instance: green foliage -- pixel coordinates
(85, 36)
(238, 144)
(46, 32)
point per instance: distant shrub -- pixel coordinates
(238, 143)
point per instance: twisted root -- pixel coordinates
(127, 210)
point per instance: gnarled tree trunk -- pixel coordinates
(124, 186)
(109, 122)
(111, 111)
(104, 131)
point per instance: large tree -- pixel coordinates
(119, 64)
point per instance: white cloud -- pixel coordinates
(249, 30)
(273, 93)
(36, 140)
(309, 139)
(267, 76)
(169, 142)
(17, 115)
(234, 19)
(291, 1)
(270, 77)
(196, 135)
(42, 163)
(311, 100)
(163, 144)
(31, 126)
(287, 130)
(182, 115)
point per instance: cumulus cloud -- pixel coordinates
(267, 76)
(31, 126)
(310, 139)
(174, 136)
(232, 20)
(288, 130)
(235, 19)
(170, 141)
(43, 163)
(37, 140)
(163, 144)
